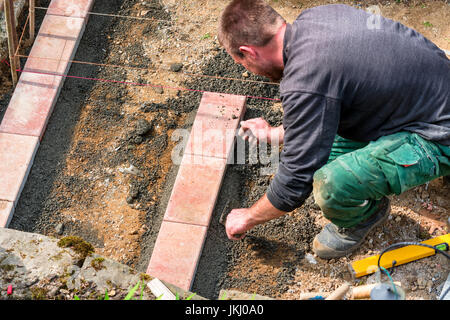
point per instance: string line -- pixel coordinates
(152, 69)
(110, 15)
(133, 83)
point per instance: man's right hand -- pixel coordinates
(258, 129)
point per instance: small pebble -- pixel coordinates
(158, 90)
(176, 67)
(310, 258)
(59, 229)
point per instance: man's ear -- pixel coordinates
(248, 51)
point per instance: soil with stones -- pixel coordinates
(104, 169)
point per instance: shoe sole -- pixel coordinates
(339, 254)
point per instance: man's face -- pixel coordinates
(259, 66)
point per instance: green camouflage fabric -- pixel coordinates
(358, 175)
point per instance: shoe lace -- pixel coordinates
(342, 230)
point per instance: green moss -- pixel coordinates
(7, 267)
(38, 293)
(145, 277)
(97, 263)
(80, 246)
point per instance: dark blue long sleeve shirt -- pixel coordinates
(361, 76)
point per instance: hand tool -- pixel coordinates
(399, 256)
(363, 292)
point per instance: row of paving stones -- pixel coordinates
(208, 150)
(35, 95)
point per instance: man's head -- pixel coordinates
(251, 32)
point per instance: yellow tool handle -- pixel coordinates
(400, 256)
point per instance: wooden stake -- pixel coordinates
(339, 293)
(32, 19)
(12, 38)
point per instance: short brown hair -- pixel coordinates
(248, 22)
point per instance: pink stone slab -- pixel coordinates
(214, 130)
(70, 8)
(176, 253)
(6, 213)
(195, 191)
(60, 27)
(29, 109)
(16, 158)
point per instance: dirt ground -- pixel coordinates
(81, 182)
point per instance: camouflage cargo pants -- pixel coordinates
(358, 175)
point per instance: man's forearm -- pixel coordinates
(278, 134)
(263, 211)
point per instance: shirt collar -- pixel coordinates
(286, 45)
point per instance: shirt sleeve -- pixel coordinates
(310, 122)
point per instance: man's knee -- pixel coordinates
(341, 185)
(325, 186)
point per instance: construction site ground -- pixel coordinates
(81, 183)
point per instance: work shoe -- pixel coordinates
(336, 242)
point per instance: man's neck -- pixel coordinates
(274, 50)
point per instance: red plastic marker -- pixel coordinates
(9, 290)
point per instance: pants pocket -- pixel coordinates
(407, 164)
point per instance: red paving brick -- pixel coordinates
(6, 213)
(16, 157)
(214, 129)
(70, 8)
(176, 253)
(195, 190)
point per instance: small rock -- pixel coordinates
(138, 140)
(398, 219)
(53, 292)
(310, 258)
(131, 170)
(176, 67)
(245, 74)
(64, 291)
(112, 293)
(130, 200)
(134, 192)
(59, 229)
(143, 127)
(158, 90)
